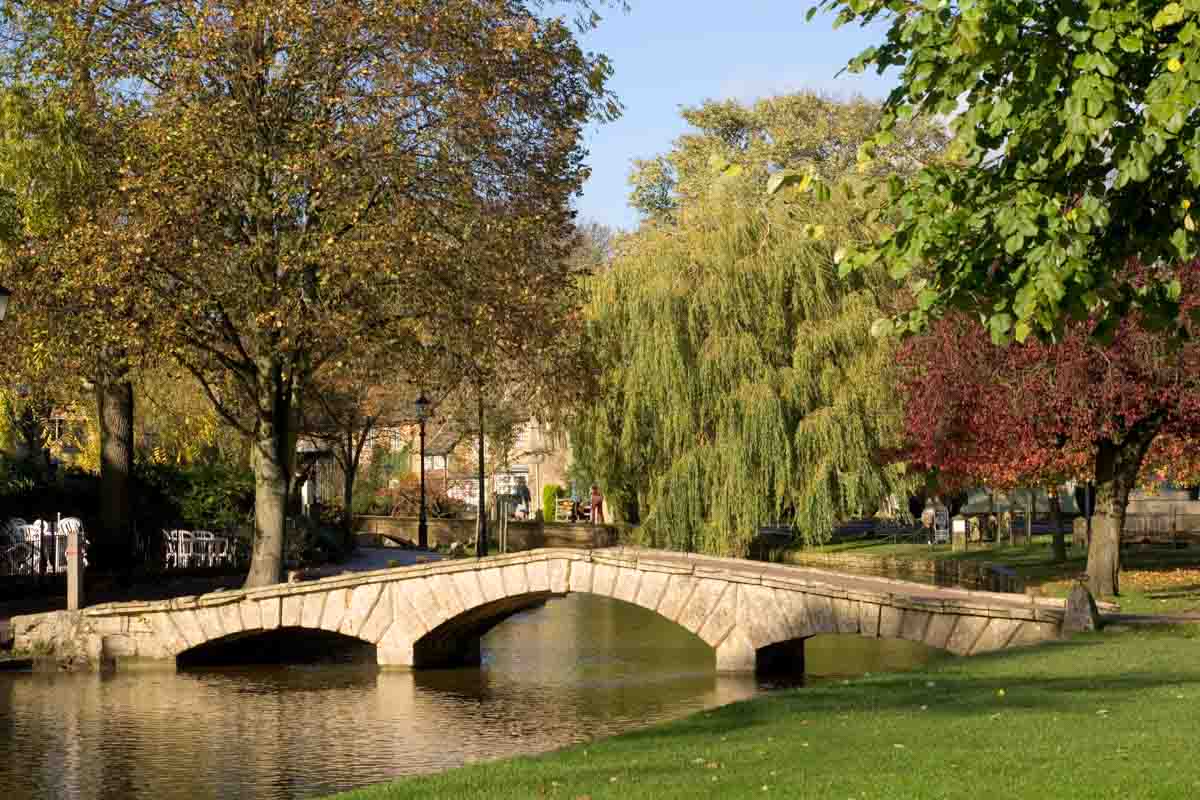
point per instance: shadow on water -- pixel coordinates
(281, 646)
(328, 720)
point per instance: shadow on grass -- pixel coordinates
(961, 687)
(1100, 686)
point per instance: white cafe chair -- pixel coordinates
(222, 551)
(205, 541)
(187, 548)
(14, 551)
(33, 535)
(171, 543)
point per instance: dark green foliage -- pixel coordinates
(16, 478)
(1076, 150)
(26, 494)
(314, 541)
(216, 497)
(371, 495)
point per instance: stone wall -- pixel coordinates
(984, 576)
(1150, 528)
(522, 535)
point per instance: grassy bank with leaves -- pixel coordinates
(1109, 715)
(1154, 581)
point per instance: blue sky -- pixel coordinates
(668, 54)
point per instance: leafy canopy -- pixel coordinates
(1076, 148)
(1035, 414)
(747, 145)
(739, 384)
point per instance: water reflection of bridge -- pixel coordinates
(583, 668)
(752, 614)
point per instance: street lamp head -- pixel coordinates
(422, 406)
(4, 295)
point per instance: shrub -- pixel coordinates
(24, 493)
(213, 496)
(550, 494)
(312, 542)
(217, 497)
(405, 499)
(17, 478)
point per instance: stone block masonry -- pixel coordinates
(434, 614)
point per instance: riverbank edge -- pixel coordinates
(1019, 721)
(987, 576)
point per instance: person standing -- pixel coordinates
(927, 519)
(523, 495)
(597, 506)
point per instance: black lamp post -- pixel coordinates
(4, 295)
(422, 407)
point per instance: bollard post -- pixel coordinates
(959, 534)
(74, 571)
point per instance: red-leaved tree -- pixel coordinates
(1040, 413)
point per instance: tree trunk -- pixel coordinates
(481, 529)
(1060, 540)
(1030, 509)
(31, 426)
(272, 470)
(348, 476)
(115, 405)
(351, 462)
(1104, 551)
(1117, 467)
(1091, 512)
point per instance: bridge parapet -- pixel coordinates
(435, 613)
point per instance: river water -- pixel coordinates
(578, 668)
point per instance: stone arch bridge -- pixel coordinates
(753, 614)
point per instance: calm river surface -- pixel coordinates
(579, 668)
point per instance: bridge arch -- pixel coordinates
(752, 614)
(278, 646)
(750, 624)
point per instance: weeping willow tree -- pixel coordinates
(739, 383)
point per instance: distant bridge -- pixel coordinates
(752, 614)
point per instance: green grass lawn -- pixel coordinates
(1037, 552)
(1110, 715)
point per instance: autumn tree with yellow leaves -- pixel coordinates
(315, 177)
(284, 184)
